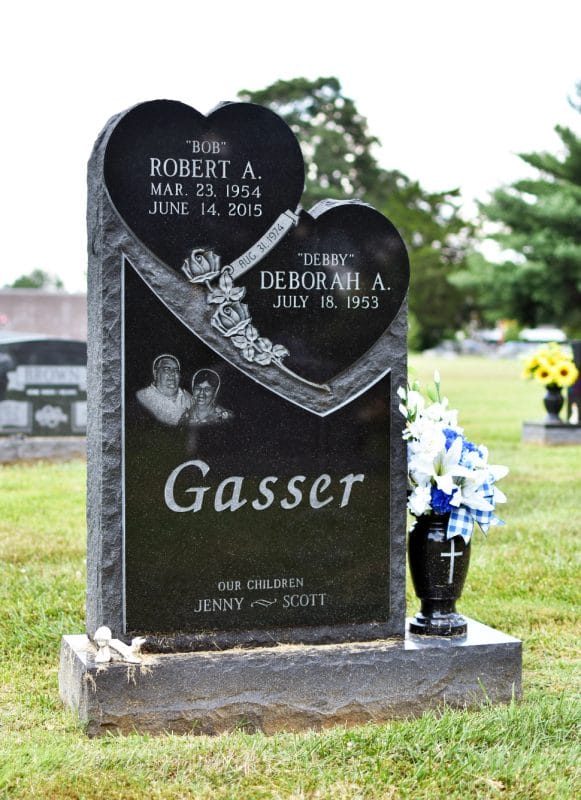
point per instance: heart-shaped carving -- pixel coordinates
(317, 320)
(310, 311)
(177, 177)
(330, 289)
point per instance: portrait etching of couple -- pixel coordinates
(173, 406)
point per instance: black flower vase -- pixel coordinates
(438, 567)
(553, 401)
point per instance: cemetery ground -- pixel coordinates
(523, 580)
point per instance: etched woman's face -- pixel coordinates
(167, 377)
(203, 394)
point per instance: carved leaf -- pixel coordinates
(279, 351)
(237, 293)
(248, 353)
(251, 333)
(263, 358)
(265, 344)
(239, 341)
(217, 297)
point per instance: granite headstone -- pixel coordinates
(246, 469)
(43, 386)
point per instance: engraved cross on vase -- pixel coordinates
(452, 555)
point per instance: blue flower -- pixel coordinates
(451, 436)
(466, 459)
(441, 501)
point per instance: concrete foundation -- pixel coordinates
(289, 687)
(41, 448)
(551, 434)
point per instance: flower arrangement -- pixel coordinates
(447, 473)
(551, 366)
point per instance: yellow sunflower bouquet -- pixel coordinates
(551, 366)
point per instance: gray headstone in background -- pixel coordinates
(246, 472)
(574, 392)
(43, 386)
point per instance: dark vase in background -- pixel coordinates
(438, 568)
(553, 401)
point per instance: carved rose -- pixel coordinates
(201, 266)
(231, 318)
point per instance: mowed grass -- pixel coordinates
(523, 580)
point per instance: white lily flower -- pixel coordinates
(447, 466)
(498, 496)
(476, 478)
(497, 471)
(471, 497)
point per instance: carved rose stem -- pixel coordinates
(226, 295)
(323, 386)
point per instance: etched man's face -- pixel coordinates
(203, 394)
(167, 377)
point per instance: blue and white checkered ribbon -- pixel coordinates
(462, 519)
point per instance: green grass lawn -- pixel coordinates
(524, 580)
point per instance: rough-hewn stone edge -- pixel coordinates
(290, 687)
(398, 466)
(268, 637)
(541, 433)
(104, 495)
(41, 448)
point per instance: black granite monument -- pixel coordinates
(246, 470)
(244, 362)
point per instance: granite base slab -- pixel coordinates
(41, 448)
(551, 434)
(289, 687)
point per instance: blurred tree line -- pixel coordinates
(539, 220)
(340, 163)
(37, 279)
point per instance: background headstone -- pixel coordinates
(574, 392)
(266, 500)
(43, 386)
